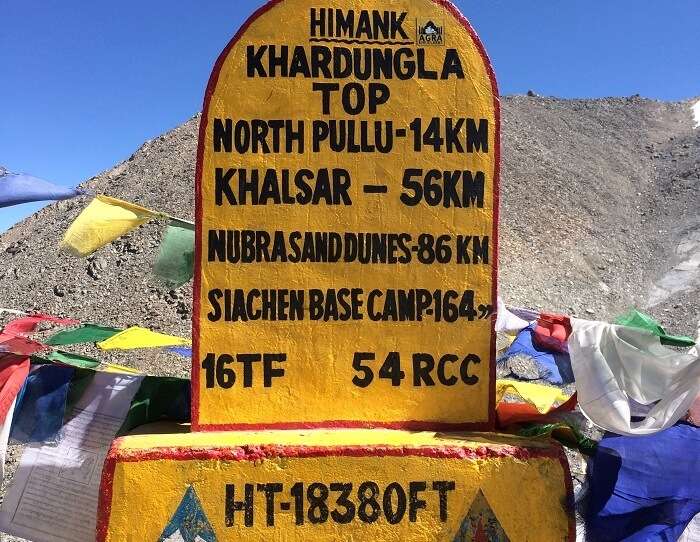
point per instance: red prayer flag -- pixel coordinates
(13, 373)
(27, 324)
(21, 346)
(510, 413)
(552, 332)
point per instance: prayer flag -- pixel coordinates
(138, 337)
(623, 372)
(541, 397)
(637, 319)
(20, 188)
(21, 346)
(692, 531)
(87, 333)
(555, 367)
(82, 378)
(508, 414)
(28, 324)
(13, 373)
(184, 351)
(644, 489)
(175, 264)
(538, 406)
(552, 332)
(508, 322)
(564, 432)
(75, 360)
(159, 398)
(101, 222)
(120, 369)
(41, 405)
(62, 480)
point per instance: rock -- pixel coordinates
(96, 265)
(16, 248)
(132, 247)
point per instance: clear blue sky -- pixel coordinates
(83, 84)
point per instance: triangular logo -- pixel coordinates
(480, 524)
(189, 523)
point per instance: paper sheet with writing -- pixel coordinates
(53, 497)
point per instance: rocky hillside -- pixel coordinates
(600, 211)
(600, 207)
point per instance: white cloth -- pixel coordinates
(507, 322)
(616, 366)
(696, 349)
(692, 531)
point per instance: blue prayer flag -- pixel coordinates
(645, 489)
(184, 351)
(555, 367)
(41, 405)
(20, 188)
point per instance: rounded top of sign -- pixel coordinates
(335, 8)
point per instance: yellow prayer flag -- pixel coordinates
(541, 397)
(121, 369)
(139, 337)
(101, 222)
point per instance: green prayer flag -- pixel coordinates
(158, 398)
(637, 319)
(87, 333)
(565, 433)
(78, 384)
(75, 360)
(175, 264)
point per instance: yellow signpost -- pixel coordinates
(347, 201)
(364, 485)
(347, 181)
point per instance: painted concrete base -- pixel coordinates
(373, 485)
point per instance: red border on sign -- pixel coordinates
(253, 453)
(488, 425)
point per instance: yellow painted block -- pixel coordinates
(330, 273)
(359, 485)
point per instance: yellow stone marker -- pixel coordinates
(347, 199)
(361, 485)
